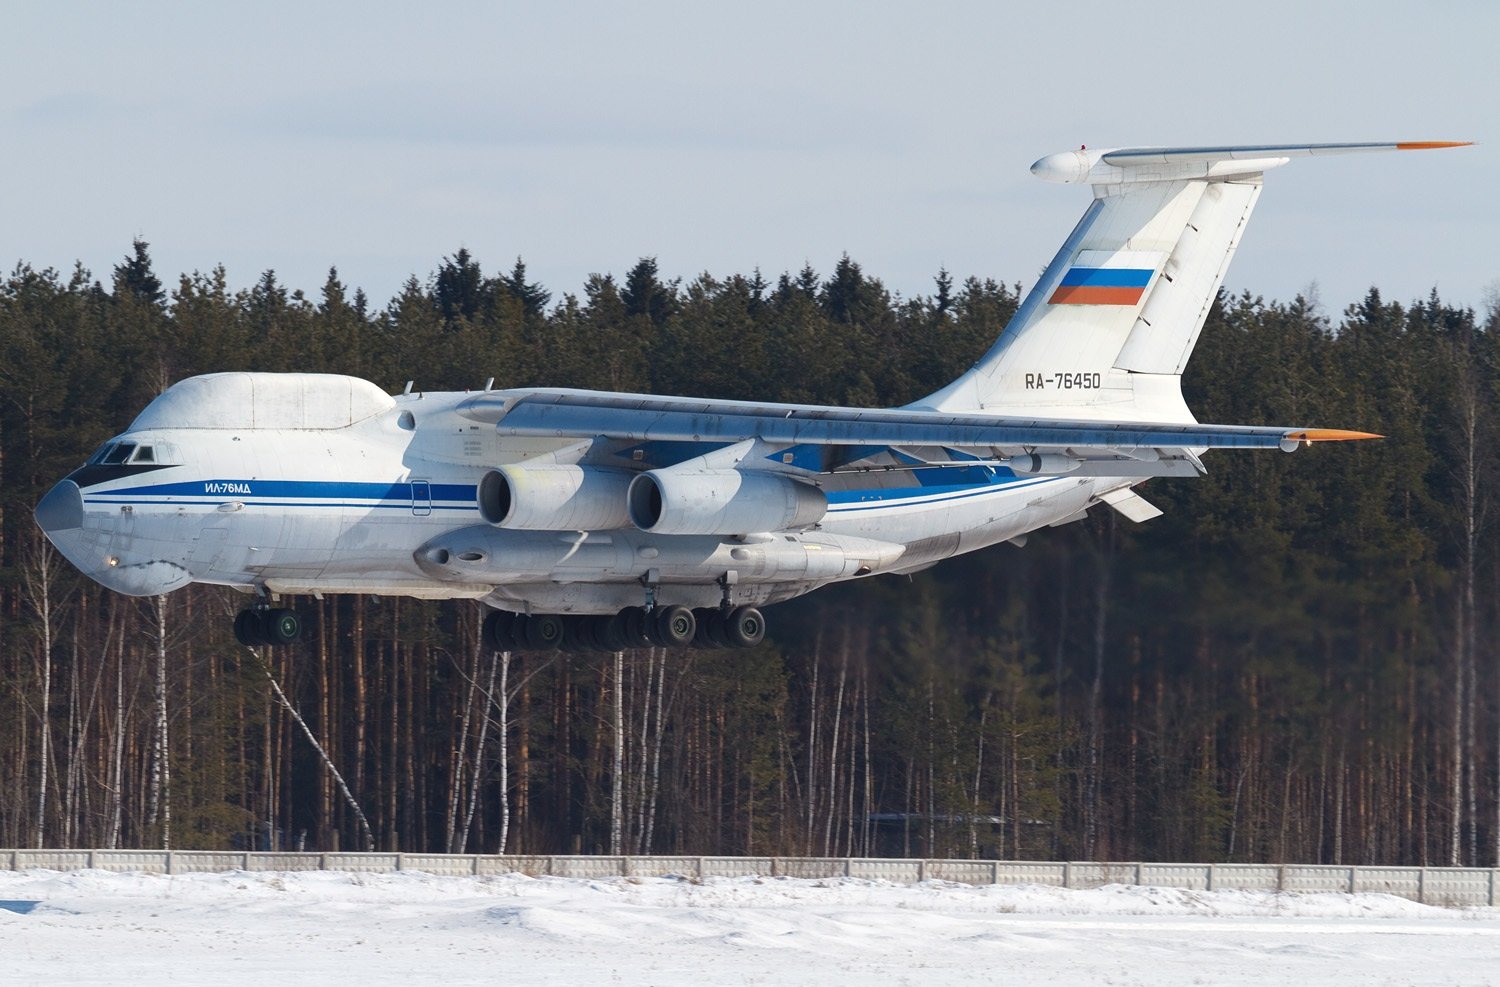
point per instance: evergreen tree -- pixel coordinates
(532, 296)
(459, 290)
(135, 278)
(645, 294)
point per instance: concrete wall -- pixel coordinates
(1452, 886)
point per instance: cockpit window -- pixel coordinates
(100, 453)
(119, 454)
(145, 454)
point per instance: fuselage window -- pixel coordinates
(119, 454)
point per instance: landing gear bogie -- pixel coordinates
(632, 627)
(260, 627)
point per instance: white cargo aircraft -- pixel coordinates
(590, 519)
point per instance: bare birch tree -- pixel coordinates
(41, 572)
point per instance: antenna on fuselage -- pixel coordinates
(489, 385)
(408, 387)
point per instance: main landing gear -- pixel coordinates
(260, 626)
(633, 627)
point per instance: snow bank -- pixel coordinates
(241, 927)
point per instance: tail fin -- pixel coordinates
(1110, 326)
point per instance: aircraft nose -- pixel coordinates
(62, 508)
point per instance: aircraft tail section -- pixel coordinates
(1110, 326)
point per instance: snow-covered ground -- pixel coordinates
(92, 927)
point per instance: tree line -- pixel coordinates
(1293, 664)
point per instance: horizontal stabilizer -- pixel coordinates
(1115, 166)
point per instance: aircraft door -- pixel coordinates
(421, 498)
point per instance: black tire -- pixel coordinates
(674, 627)
(280, 626)
(718, 629)
(610, 632)
(542, 632)
(498, 630)
(744, 627)
(633, 621)
(703, 637)
(247, 629)
(578, 634)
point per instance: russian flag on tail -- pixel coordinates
(1105, 277)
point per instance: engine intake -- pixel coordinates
(722, 502)
(554, 498)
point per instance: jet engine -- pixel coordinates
(722, 502)
(553, 497)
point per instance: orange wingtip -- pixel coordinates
(1330, 435)
(1429, 145)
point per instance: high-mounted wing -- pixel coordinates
(641, 417)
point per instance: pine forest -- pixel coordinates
(1294, 664)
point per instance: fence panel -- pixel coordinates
(1458, 886)
(1246, 877)
(897, 871)
(63, 860)
(588, 867)
(1403, 881)
(662, 866)
(364, 863)
(1193, 877)
(811, 867)
(1082, 874)
(441, 864)
(285, 861)
(534, 865)
(203, 861)
(961, 871)
(1021, 872)
(736, 866)
(1307, 878)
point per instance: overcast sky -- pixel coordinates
(379, 137)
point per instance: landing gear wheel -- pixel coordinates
(247, 629)
(498, 630)
(634, 623)
(744, 627)
(578, 634)
(703, 637)
(258, 628)
(673, 627)
(611, 632)
(541, 632)
(280, 626)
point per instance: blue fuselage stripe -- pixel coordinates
(461, 497)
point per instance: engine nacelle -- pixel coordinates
(722, 502)
(552, 497)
